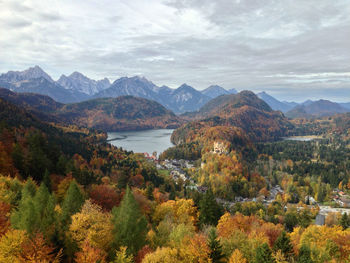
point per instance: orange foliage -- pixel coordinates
(4, 217)
(37, 249)
(250, 225)
(142, 200)
(105, 196)
(142, 253)
(196, 249)
(89, 254)
(6, 164)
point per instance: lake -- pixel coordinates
(306, 138)
(142, 141)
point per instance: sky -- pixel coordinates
(292, 49)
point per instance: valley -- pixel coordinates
(233, 164)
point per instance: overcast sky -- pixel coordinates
(292, 49)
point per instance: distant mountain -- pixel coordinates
(134, 86)
(14, 77)
(233, 91)
(345, 105)
(40, 103)
(121, 113)
(182, 99)
(274, 103)
(244, 111)
(108, 114)
(214, 91)
(51, 89)
(307, 102)
(78, 82)
(291, 104)
(186, 99)
(320, 108)
(35, 80)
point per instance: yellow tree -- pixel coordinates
(181, 211)
(195, 249)
(11, 245)
(237, 257)
(163, 255)
(89, 254)
(93, 225)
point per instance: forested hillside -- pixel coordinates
(66, 196)
(107, 114)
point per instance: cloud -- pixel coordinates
(291, 49)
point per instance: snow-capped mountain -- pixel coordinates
(214, 91)
(78, 82)
(31, 73)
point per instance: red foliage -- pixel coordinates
(4, 217)
(142, 253)
(105, 196)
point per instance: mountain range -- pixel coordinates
(107, 114)
(77, 88)
(315, 109)
(245, 111)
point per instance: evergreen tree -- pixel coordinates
(18, 159)
(35, 213)
(72, 203)
(215, 247)
(263, 254)
(290, 220)
(24, 217)
(130, 225)
(344, 221)
(149, 191)
(283, 243)
(47, 180)
(304, 255)
(45, 215)
(210, 210)
(29, 189)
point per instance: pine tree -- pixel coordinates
(35, 213)
(283, 243)
(18, 159)
(344, 221)
(45, 215)
(215, 247)
(304, 255)
(29, 188)
(263, 254)
(47, 180)
(149, 191)
(24, 217)
(130, 225)
(210, 211)
(72, 203)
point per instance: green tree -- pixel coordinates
(72, 203)
(290, 220)
(35, 213)
(283, 243)
(24, 217)
(263, 254)
(47, 180)
(18, 159)
(304, 255)
(130, 225)
(44, 206)
(215, 247)
(344, 221)
(210, 210)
